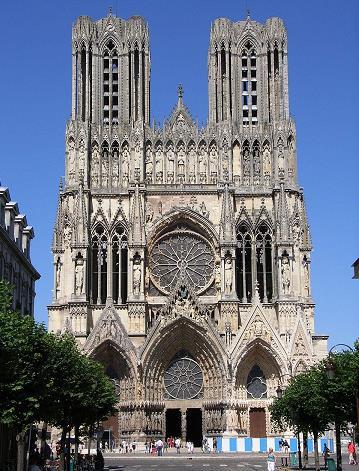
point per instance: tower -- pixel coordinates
(183, 251)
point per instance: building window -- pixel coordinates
(119, 266)
(249, 89)
(264, 263)
(244, 264)
(99, 265)
(254, 263)
(256, 384)
(110, 84)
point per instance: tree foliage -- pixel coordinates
(45, 377)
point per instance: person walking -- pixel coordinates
(271, 460)
(159, 447)
(178, 445)
(352, 453)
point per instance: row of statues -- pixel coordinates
(117, 167)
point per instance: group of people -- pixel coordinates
(159, 447)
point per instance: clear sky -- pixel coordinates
(35, 96)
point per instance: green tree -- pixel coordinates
(303, 407)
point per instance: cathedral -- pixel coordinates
(182, 253)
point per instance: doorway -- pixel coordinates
(173, 423)
(194, 426)
(257, 423)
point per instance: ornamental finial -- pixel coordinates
(110, 11)
(180, 91)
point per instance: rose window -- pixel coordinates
(182, 254)
(183, 379)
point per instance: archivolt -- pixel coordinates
(184, 334)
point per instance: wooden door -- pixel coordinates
(257, 423)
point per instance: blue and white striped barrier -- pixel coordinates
(261, 445)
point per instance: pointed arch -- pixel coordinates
(257, 372)
(183, 327)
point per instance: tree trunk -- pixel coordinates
(305, 449)
(89, 442)
(43, 439)
(338, 446)
(62, 444)
(316, 453)
(299, 452)
(68, 450)
(77, 433)
(21, 451)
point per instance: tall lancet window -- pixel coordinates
(110, 84)
(99, 265)
(249, 85)
(264, 263)
(119, 266)
(244, 264)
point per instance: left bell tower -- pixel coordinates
(110, 109)
(110, 70)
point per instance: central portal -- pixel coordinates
(194, 426)
(173, 423)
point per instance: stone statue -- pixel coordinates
(280, 155)
(306, 277)
(149, 163)
(202, 164)
(181, 161)
(95, 167)
(267, 164)
(159, 164)
(81, 155)
(246, 163)
(67, 235)
(105, 168)
(213, 159)
(79, 277)
(228, 275)
(58, 274)
(125, 161)
(285, 274)
(115, 170)
(170, 159)
(137, 157)
(203, 210)
(192, 157)
(136, 276)
(149, 212)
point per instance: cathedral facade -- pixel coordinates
(182, 253)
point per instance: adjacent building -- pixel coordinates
(15, 261)
(182, 253)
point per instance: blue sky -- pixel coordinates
(35, 97)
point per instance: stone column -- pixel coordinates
(184, 425)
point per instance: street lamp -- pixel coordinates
(330, 370)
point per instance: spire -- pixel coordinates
(57, 235)
(227, 218)
(137, 236)
(307, 242)
(80, 233)
(283, 215)
(180, 96)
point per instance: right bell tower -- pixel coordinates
(248, 72)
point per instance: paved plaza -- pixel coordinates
(197, 462)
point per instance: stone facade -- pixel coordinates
(15, 262)
(182, 253)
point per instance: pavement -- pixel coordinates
(197, 462)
